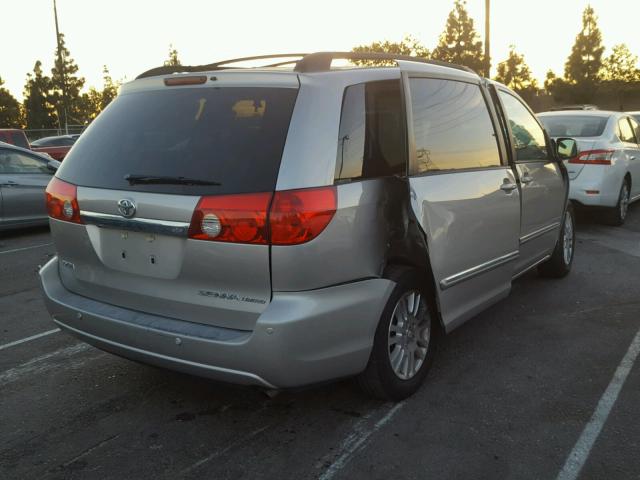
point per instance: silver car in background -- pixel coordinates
(605, 172)
(283, 227)
(24, 175)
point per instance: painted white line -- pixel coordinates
(26, 248)
(233, 444)
(356, 441)
(39, 365)
(28, 339)
(582, 448)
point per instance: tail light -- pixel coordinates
(62, 201)
(295, 216)
(298, 216)
(594, 157)
(232, 218)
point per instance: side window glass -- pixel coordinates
(528, 136)
(625, 131)
(13, 162)
(452, 126)
(636, 128)
(371, 140)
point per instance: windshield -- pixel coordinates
(231, 139)
(574, 125)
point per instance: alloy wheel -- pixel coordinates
(409, 335)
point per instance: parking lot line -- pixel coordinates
(583, 446)
(32, 337)
(26, 248)
(356, 441)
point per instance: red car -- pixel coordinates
(57, 147)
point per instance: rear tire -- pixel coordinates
(617, 215)
(405, 340)
(559, 265)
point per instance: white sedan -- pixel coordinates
(605, 171)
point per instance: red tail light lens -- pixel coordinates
(232, 218)
(62, 201)
(298, 216)
(594, 157)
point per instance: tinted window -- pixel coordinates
(636, 127)
(371, 142)
(233, 136)
(452, 126)
(528, 136)
(625, 132)
(16, 162)
(574, 125)
(18, 139)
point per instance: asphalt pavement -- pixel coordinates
(543, 385)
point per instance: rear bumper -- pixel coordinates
(605, 180)
(301, 338)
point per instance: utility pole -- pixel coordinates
(487, 38)
(62, 72)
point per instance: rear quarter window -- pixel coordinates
(231, 135)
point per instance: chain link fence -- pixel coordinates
(36, 133)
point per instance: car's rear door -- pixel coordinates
(23, 179)
(464, 193)
(141, 170)
(542, 184)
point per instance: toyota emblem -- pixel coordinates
(126, 208)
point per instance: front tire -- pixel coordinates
(559, 265)
(405, 340)
(618, 214)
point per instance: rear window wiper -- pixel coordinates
(160, 180)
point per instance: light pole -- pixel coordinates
(487, 38)
(62, 73)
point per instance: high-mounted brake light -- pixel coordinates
(298, 216)
(594, 157)
(62, 201)
(192, 80)
(232, 218)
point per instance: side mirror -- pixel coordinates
(566, 148)
(53, 165)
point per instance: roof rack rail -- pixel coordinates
(168, 69)
(307, 62)
(321, 61)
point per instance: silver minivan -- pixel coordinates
(298, 223)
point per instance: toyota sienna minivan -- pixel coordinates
(300, 222)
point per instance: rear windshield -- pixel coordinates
(574, 125)
(231, 136)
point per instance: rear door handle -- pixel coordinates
(508, 187)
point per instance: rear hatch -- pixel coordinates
(144, 170)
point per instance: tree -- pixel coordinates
(407, 46)
(620, 66)
(460, 43)
(94, 101)
(10, 113)
(173, 59)
(584, 63)
(66, 87)
(515, 73)
(620, 72)
(39, 112)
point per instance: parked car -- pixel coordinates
(24, 175)
(57, 146)
(605, 173)
(14, 136)
(284, 228)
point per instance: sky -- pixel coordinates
(131, 36)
